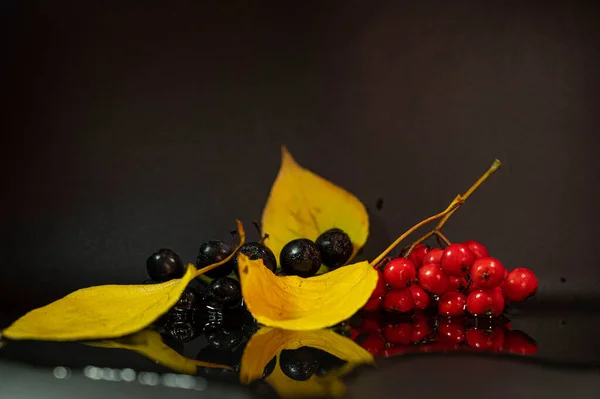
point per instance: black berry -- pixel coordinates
(225, 337)
(327, 363)
(299, 364)
(269, 368)
(164, 265)
(223, 293)
(188, 300)
(212, 252)
(183, 332)
(300, 257)
(335, 248)
(254, 251)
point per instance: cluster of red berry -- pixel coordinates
(424, 334)
(457, 279)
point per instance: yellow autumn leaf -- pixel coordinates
(296, 303)
(302, 204)
(106, 311)
(269, 342)
(149, 343)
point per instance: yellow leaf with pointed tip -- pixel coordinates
(296, 303)
(302, 204)
(269, 342)
(150, 344)
(106, 311)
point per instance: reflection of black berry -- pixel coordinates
(225, 337)
(335, 248)
(327, 363)
(254, 251)
(299, 364)
(164, 265)
(270, 367)
(223, 293)
(300, 257)
(212, 252)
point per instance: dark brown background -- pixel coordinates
(129, 126)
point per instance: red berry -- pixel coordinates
(478, 249)
(433, 256)
(380, 288)
(506, 273)
(485, 339)
(372, 343)
(456, 283)
(398, 301)
(452, 304)
(354, 333)
(485, 303)
(421, 299)
(433, 279)
(421, 329)
(487, 272)
(399, 334)
(457, 260)
(519, 343)
(520, 284)
(418, 253)
(399, 272)
(451, 331)
(373, 304)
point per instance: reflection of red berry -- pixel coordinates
(457, 260)
(380, 288)
(399, 272)
(373, 304)
(421, 299)
(398, 301)
(456, 283)
(478, 249)
(452, 304)
(519, 343)
(433, 256)
(421, 329)
(372, 343)
(485, 303)
(418, 253)
(433, 279)
(487, 272)
(399, 334)
(451, 331)
(485, 339)
(370, 324)
(520, 284)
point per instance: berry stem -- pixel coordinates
(453, 205)
(439, 235)
(257, 227)
(242, 233)
(491, 170)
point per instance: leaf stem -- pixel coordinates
(453, 205)
(491, 170)
(242, 233)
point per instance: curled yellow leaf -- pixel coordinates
(149, 343)
(295, 303)
(269, 342)
(105, 311)
(302, 204)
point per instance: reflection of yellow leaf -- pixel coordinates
(304, 205)
(296, 303)
(106, 311)
(269, 342)
(149, 343)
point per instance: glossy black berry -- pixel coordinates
(188, 300)
(223, 293)
(164, 265)
(335, 248)
(270, 367)
(212, 252)
(183, 332)
(254, 251)
(298, 364)
(300, 258)
(225, 337)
